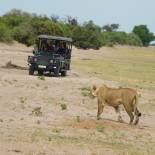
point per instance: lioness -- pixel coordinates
(116, 96)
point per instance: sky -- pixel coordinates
(126, 13)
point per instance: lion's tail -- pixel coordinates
(136, 111)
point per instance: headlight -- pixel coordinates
(35, 59)
(51, 61)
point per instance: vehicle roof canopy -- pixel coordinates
(55, 38)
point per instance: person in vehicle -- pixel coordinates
(57, 46)
(62, 49)
(50, 46)
(44, 45)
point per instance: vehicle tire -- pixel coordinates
(31, 70)
(40, 72)
(56, 72)
(63, 73)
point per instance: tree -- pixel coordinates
(87, 36)
(54, 18)
(15, 18)
(24, 27)
(133, 39)
(5, 33)
(24, 33)
(110, 28)
(144, 34)
(71, 20)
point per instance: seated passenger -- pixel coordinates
(61, 50)
(57, 46)
(44, 46)
(49, 47)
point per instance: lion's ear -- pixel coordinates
(94, 87)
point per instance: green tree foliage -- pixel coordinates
(46, 27)
(110, 28)
(24, 27)
(54, 18)
(133, 39)
(15, 18)
(24, 34)
(122, 38)
(71, 20)
(5, 33)
(144, 34)
(88, 36)
(114, 37)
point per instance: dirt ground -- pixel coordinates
(55, 116)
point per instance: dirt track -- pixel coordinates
(71, 131)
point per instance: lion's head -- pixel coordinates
(93, 91)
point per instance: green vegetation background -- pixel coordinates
(24, 27)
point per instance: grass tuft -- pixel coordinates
(41, 77)
(37, 111)
(85, 91)
(100, 128)
(63, 104)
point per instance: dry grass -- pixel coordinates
(133, 67)
(67, 122)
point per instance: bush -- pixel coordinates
(144, 34)
(113, 38)
(5, 33)
(24, 34)
(87, 36)
(46, 26)
(133, 39)
(24, 28)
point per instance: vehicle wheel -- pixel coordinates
(40, 72)
(56, 72)
(31, 70)
(63, 73)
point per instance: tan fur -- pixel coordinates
(116, 96)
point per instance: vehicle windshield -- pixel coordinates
(46, 53)
(53, 47)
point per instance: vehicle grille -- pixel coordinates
(42, 60)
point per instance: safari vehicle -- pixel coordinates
(52, 54)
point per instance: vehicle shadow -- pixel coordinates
(48, 74)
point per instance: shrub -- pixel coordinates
(5, 33)
(24, 28)
(113, 38)
(144, 34)
(87, 36)
(133, 39)
(24, 34)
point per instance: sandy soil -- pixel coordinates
(74, 130)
